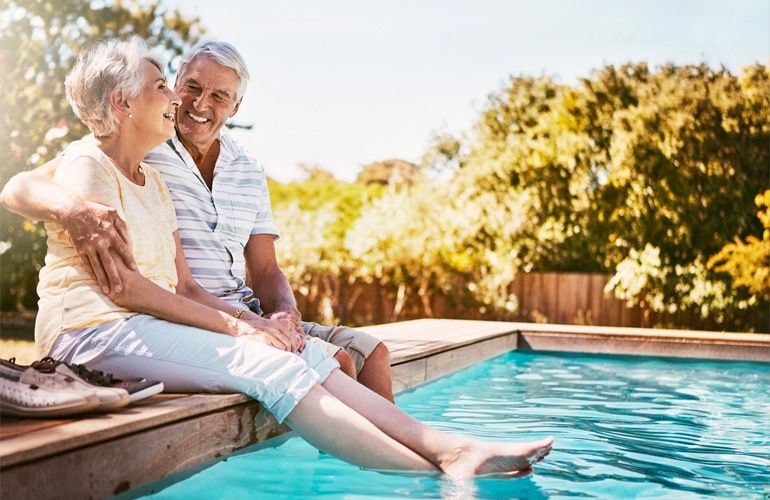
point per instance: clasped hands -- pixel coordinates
(280, 330)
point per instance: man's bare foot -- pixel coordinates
(480, 457)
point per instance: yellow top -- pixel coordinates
(69, 297)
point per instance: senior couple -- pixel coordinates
(153, 222)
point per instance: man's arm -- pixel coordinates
(268, 281)
(93, 228)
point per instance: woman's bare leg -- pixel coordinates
(455, 455)
(331, 426)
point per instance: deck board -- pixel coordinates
(98, 456)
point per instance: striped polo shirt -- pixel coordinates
(216, 224)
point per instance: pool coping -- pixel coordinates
(112, 454)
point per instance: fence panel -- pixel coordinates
(560, 298)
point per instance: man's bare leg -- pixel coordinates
(375, 373)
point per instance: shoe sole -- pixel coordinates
(13, 410)
(146, 393)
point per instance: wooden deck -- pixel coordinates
(106, 455)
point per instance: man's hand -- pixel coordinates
(293, 316)
(278, 333)
(94, 229)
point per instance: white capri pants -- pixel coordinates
(189, 359)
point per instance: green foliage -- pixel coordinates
(748, 262)
(39, 41)
(642, 173)
(444, 155)
(645, 172)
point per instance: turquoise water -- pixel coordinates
(625, 427)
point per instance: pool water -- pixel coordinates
(625, 427)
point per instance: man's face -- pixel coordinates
(207, 90)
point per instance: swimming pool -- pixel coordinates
(625, 427)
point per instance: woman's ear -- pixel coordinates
(120, 104)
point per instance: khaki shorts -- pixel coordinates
(359, 345)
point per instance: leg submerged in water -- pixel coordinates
(351, 422)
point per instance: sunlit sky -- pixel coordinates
(343, 83)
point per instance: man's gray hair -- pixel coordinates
(221, 53)
(106, 66)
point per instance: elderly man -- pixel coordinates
(222, 204)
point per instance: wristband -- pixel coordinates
(238, 313)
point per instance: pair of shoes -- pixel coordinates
(53, 388)
(20, 399)
(137, 388)
(55, 376)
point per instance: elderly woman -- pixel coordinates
(163, 325)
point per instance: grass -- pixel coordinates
(22, 350)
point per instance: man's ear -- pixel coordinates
(119, 103)
(237, 107)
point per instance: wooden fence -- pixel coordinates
(559, 298)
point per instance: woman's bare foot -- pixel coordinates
(480, 457)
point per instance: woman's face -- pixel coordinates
(154, 108)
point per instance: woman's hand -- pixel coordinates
(279, 333)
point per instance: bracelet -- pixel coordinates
(238, 313)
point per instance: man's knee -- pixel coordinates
(347, 365)
(376, 372)
(380, 356)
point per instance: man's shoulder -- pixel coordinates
(165, 157)
(236, 151)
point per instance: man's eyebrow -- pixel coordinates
(219, 91)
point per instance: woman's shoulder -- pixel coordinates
(82, 154)
(83, 147)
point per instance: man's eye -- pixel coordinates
(219, 97)
(192, 88)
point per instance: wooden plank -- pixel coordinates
(117, 465)
(451, 361)
(596, 298)
(88, 430)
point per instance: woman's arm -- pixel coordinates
(194, 306)
(93, 228)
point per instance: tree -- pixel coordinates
(444, 155)
(686, 163)
(632, 168)
(39, 42)
(748, 261)
(390, 172)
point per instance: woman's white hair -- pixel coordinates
(221, 53)
(106, 66)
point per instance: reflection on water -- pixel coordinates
(624, 428)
